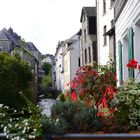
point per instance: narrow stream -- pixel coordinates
(46, 105)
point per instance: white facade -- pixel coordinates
(59, 66)
(88, 39)
(105, 20)
(71, 59)
(128, 19)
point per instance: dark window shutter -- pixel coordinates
(130, 50)
(120, 62)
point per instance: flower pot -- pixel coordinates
(120, 136)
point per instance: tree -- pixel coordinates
(46, 67)
(16, 81)
(46, 81)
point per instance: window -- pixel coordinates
(105, 38)
(112, 23)
(85, 39)
(112, 2)
(92, 25)
(85, 56)
(89, 54)
(104, 6)
(79, 62)
(94, 50)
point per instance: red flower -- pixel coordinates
(132, 64)
(73, 96)
(92, 73)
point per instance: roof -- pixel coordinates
(31, 47)
(88, 11)
(9, 36)
(3, 35)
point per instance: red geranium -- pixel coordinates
(132, 64)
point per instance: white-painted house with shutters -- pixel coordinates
(88, 39)
(105, 30)
(127, 25)
(71, 58)
(59, 66)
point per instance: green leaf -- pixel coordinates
(133, 91)
(135, 111)
(132, 116)
(137, 101)
(134, 123)
(130, 97)
(128, 102)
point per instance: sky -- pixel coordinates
(43, 22)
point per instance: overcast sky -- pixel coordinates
(43, 22)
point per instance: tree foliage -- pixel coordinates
(46, 81)
(15, 78)
(46, 67)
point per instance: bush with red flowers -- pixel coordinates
(95, 86)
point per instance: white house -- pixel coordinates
(71, 58)
(105, 30)
(88, 39)
(127, 24)
(59, 66)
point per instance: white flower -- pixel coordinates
(7, 136)
(24, 130)
(35, 130)
(5, 128)
(10, 125)
(57, 120)
(31, 137)
(2, 125)
(26, 123)
(1, 105)
(17, 138)
(16, 125)
(10, 119)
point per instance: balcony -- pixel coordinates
(119, 5)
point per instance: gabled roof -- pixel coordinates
(3, 35)
(31, 47)
(6, 35)
(88, 11)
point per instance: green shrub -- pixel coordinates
(127, 102)
(77, 117)
(15, 77)
(54, 126)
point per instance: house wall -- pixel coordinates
(129, 17)
(102, 20)
(59, 67)
(75, 54)
(71, 62)
(37, 55)
(87, 43)
(5, 45)
(67, 65)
